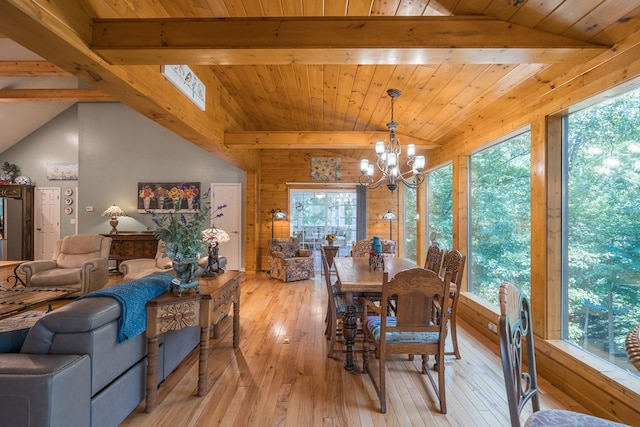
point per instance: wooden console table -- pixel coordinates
(169, 312)
(224, 290)
(131, 245)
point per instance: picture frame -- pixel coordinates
(167, 197)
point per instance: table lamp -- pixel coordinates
(114, 212)
(214, 236)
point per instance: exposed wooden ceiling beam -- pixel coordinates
(54, 95)
(31, 69)
(336, 40)
(319, 140)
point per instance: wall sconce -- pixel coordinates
(276, 214)
(114, 212)
(390, 216)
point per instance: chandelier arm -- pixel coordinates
(368, 182)
(418, 180)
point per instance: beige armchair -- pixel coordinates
(80, 261)
(136, 268)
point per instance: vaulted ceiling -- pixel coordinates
(314, 73)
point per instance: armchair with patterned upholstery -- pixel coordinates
(288, 262)
(79, 261)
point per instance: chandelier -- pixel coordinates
(388, 156)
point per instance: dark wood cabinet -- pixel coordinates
(25, 193)
(131, 245)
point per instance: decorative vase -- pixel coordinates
(160, 202)
(185, 269)
(147, 203)
(330, 242)
(177, 203)
(190, 203)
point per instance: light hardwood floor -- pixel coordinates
(280, 375)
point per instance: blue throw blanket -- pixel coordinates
(133, 296)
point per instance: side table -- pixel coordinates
(330, 252)
(169, 312)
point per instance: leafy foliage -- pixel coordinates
(603, 190)
(501, 218)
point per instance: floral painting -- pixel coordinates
(164, 197)
(62, 171)
(325, 168)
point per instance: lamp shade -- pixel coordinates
(114, 211)
(215, 235)
(389, 215)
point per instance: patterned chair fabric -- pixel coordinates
(362, 248)
(515, 329)
(288, 262)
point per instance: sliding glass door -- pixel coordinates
(316, 213)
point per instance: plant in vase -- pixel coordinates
(182, 236)
(9, 172)
(331, 238)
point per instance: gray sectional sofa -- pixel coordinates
(71, 370)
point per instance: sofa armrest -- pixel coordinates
(32, 267)
(45, 390)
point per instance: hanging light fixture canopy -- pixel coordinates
(388, 156)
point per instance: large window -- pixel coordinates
(316, 213)
(439, 206)
(500, 210)
(602, 229)
(410, 224)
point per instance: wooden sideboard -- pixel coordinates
(131, 245)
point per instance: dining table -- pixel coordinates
(355, 277)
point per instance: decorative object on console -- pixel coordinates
(184, 241)
(390, 216)
(276, 214)
(114, 212)
(375, 256)
(387, 160)
(214, 236)
(22, 180)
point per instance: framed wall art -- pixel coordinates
(325, 168)
(62, 171)
(165, 197)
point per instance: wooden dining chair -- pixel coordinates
(336, 307)
(453, 263)
(516, 332)
(415, 329)
(433, 260)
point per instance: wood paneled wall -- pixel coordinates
(282, 170)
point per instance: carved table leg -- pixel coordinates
(349, 330)
(152, 373)
(236, 319)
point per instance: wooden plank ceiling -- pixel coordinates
(297, 82)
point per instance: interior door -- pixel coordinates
(229, 194)
(47, 221)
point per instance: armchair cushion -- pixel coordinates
(76, 250)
